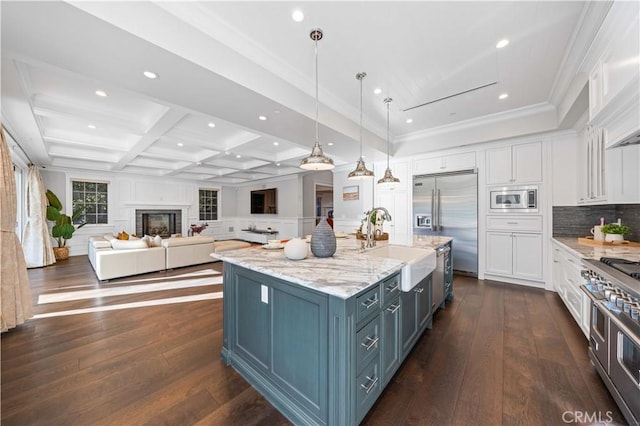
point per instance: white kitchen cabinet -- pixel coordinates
(616, 71)
(397, 202)
(623, 174)
(514, 254)
(514, 247)
(445, 163)
(591, 167)
(395, 198)
(515, 164)
(567, 281)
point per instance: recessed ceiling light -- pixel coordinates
(101, 93)
(297, 15)
(276, 144)
(503, 96)
(330, 144)
(278, 164)
(502, 43)
(199, 163)
(180, 144)
(238, 156)
(91, 126)
(150, 74)
(262, 118)
(409, 120)
(212, 124)
(377, 91)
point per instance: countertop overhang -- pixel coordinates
(585, 251)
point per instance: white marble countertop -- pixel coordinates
(420, 241)
(346, 273)
(596, 252)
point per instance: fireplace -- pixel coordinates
(158, 222)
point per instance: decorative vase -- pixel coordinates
(296, 249)
(613, 237)
(61, 253)
(323, 240)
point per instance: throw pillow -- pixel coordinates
(123, 236)
(101, 244)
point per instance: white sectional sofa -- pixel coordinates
(187, 251)
(113, 258)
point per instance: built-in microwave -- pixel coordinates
(521, 199)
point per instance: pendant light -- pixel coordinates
(388, 178)
(361, 171)
(317, 160)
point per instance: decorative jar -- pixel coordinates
(323, 240)
(296, 249)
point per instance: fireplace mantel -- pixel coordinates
(156, 204)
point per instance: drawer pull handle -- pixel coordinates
(393, 288)
(372, 342)
(393, 308)
(372, 383)
(370, 302)
(512, 223)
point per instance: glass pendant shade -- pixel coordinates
(388, 178)
(361, 171)
(317, 160)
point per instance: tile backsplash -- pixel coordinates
(578, 221)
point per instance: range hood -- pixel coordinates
(632, 139)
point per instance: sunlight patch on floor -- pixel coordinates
(156, 302)
(124, 290)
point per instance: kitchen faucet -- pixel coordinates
(371, 241)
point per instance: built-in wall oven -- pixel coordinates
(614, 334)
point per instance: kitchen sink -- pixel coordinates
(419, 262)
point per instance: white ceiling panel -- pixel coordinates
(224, 64)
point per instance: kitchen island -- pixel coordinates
(320, 338)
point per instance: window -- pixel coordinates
(208, 204)
(93, 196)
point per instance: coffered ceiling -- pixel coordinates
(222, 65)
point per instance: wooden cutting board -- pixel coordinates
(591, 242)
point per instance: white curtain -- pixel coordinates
(15, 294)
(36, 242)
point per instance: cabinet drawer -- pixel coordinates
(368, 388)
(367, 344)
(368, 303)
(515, 223)
(390, 289)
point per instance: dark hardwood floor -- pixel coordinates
(498, 354)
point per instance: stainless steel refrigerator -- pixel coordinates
(447, 205)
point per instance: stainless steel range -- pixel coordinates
(613, 285)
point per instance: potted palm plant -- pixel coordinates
(63, 227)
(614, 231)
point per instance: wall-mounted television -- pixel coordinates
(264, 201)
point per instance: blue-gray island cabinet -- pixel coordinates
(317, 357)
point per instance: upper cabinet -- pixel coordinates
(614, 98)
(591, 167)
(515, 164)
(444, 163)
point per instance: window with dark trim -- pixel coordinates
(208, 204)
(93, 196)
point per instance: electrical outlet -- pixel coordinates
(264, 294)
(231, 229)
